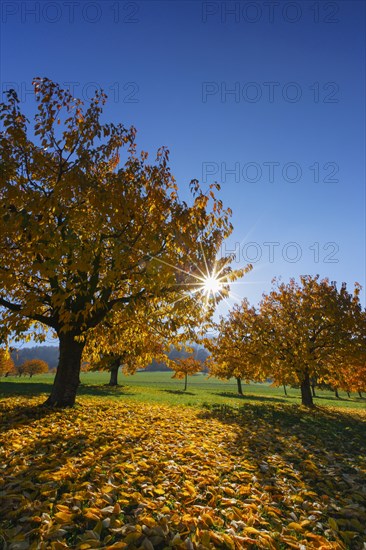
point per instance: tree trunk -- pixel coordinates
(185, 382)
(360, 394)
(336, 393)
(113, 381)
(348, 393)
(306, 397)
(66, 381)
(240, 388)
(284, 389)
(313, 390)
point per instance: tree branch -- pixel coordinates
(17, 308)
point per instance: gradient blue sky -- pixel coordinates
(155, 59)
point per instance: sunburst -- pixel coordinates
(212, 285)
(209, 281)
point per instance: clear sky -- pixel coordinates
(267, 98)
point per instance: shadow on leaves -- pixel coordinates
(321, 454)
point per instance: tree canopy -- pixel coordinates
(33, 366)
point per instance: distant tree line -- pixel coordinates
(49, 354)
(27, 368)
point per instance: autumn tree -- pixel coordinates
(6, 363)
(34, 366)
(349, 373)
(89, 226)
(355, 379)
(309, 329)
(234, 351)
(184, 367)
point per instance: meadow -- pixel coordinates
(146, 466)
(160, 387)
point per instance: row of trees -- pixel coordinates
(302, 333)
(47, 353)
(27, 368)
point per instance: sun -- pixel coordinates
(211, 285)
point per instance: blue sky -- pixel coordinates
(273, 93)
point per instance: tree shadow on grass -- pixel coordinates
(26, 389)
(34, 389)
(336, 399)
(252, 397)
(178, 392)
(102, 390)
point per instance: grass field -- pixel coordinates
(146, 466)
(160, 387)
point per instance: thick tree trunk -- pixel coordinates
(306, 397)
(284, 389)
(336, 393)
(113, 381)
(66, 381)
(185, 382)
(240, 387)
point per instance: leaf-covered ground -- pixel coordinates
(144, 476)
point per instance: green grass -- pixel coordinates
(160, 387)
